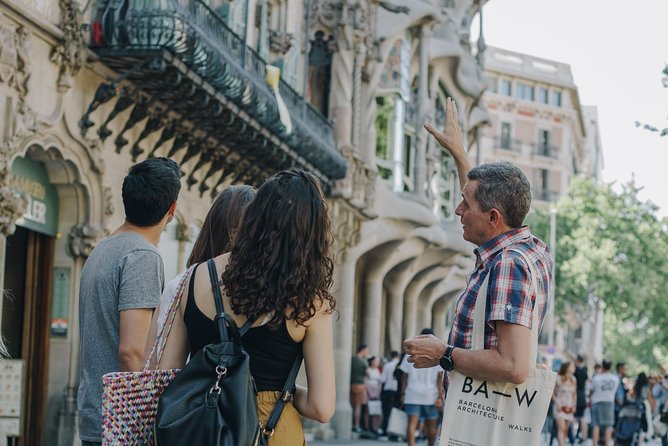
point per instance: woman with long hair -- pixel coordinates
(564, 399)
(642, 393)
(214, 238)
(278, 276)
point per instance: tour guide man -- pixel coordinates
(495, 199)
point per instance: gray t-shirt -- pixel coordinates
(123, 272)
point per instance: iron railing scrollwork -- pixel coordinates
(199, 37)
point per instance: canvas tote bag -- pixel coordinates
(485, 413)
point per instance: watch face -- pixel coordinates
(446, 363)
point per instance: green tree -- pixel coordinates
(612, 253)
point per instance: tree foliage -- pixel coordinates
(613, 249)
(650, 127)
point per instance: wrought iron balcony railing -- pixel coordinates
(545, 150)
(513, 145)
(197, 36)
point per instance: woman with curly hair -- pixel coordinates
(278, 275)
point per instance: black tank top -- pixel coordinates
(272, 352)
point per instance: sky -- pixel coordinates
(617, 51)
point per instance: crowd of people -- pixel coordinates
(608, 405)
(377, 386)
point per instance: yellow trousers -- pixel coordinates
(289, 430)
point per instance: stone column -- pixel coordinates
(395, 284)
(424, 111)
(341, 91)
(82, 239)
(410, 311)
(438, 318)
(343, 350)
(373, 301)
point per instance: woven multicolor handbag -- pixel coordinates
(130, 399)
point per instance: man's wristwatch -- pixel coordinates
(446, 360)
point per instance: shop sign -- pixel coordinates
(11, 382)
(29, 179)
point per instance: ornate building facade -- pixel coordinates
(89, 89)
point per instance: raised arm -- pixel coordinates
(451, 140)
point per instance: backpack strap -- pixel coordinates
(286, 394)
(218, 300)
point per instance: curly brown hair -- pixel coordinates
(280, 262)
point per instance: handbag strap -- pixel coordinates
(221, 317)
(286, 393)
(480, 310)
(161, 338)
(218, 300)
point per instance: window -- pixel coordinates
(506, 88)
(544, 142)
(544, 184)
(542, 95)
(556, 98)
(492, 82)
(505, 136)
(384, 118)
(408, 154)
(524, 91)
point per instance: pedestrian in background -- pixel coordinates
(603, 390)
(121, 283)
(374, 387)
(565, 400)
(581, 376)
(389, 397)
(358, 398)
(422, 392)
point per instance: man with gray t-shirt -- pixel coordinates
(121, 283)
(603, 389)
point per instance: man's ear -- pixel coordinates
(495, 217)
(172, 209)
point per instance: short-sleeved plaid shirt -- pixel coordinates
(510, 294)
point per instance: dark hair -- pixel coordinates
(370, 360)
(579, 358)
(221, 223)
(149, 190)
(641, 382)
(619, 365)
(564, 368)
(427, 331)
(505, 188)
(394, 354)
(280, 261)
(361, 347)
(607, 365)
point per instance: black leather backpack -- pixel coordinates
(213, 400)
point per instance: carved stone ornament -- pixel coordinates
(14, 60)
(347, 228)
(280, 41)
(83, 238)
(70, 54)
(12, 207)
(109, 207)
(184, 232)
(359, 185)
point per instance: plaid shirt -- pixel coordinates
(510, 294)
